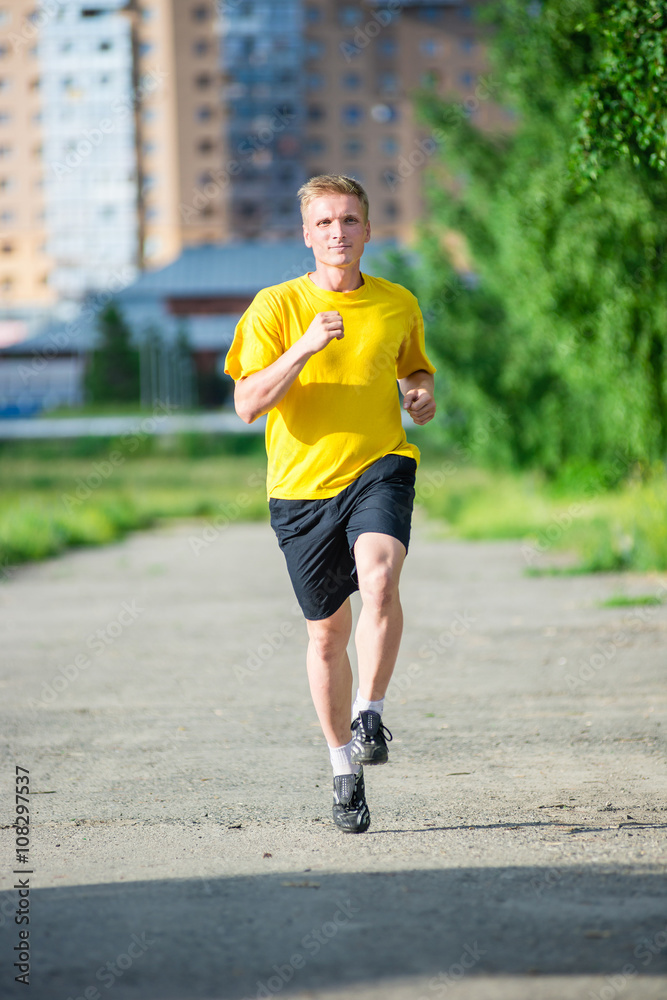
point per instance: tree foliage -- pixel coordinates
(112, 374)
(556, 354)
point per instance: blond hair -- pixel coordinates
(331, 184)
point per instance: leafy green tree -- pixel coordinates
(112, 374)
(556, 354)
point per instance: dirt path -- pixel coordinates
(182, 845)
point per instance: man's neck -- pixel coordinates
(337, 279)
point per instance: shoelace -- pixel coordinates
(382, 729)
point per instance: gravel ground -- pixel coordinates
(181, 840)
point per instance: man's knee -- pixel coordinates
(378, 585)
(328, 640)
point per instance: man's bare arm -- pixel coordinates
(418, 400)
(258, 393)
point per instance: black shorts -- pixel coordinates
(318, 536)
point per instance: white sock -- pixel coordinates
(340, 760)
(364, 705)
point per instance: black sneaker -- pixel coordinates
(369, 743)
(350, 811)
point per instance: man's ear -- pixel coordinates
(368, 232)
(306, 237)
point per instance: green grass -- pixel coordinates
(603, 529)
(627, 601)
(90, 491)
(56, 495)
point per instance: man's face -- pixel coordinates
(335, 229)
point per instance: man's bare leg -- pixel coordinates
(330, 674)
(379, 560)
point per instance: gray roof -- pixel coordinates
(231, 268)
(210, 270)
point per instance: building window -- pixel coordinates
(388, 83)
(352, 114)
(5, 152)
(3, 51)
(5, 117)
(200, 47)
(145, 48)
(105, 46)
(467, 44)
(350, 16)
(391, 210)
(430, 79)
(203, 81)
(389, 146)
(148, 148)
(351, 81)
(200, 13)
(146, 13)
(314, 81)
(6, 215)
(35, 84)
(152, 212)
(429, 47)
(467, 79)
(353, 147)
(6, 284)
(7, 248)
(383, 113)
(429, 14)
(314, 48)
(248, 208)
(315, 112)
(5, 16)
(66, 47)
(148, 182)
(107, 211)
(315, 145)
(313, 14)
(388, 47)
(6, 184)
(148, 115)
(204, 113)
(205, 146)
(5, 85)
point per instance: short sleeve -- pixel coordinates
(258, 339)
(412, 355)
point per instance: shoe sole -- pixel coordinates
(348, 829)
(380, 756)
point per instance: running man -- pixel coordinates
(321, 354)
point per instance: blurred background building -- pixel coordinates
(132, 131)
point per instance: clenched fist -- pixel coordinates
(325, 327)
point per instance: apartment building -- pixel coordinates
(130, 129)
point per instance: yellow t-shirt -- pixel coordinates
(342, 412)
